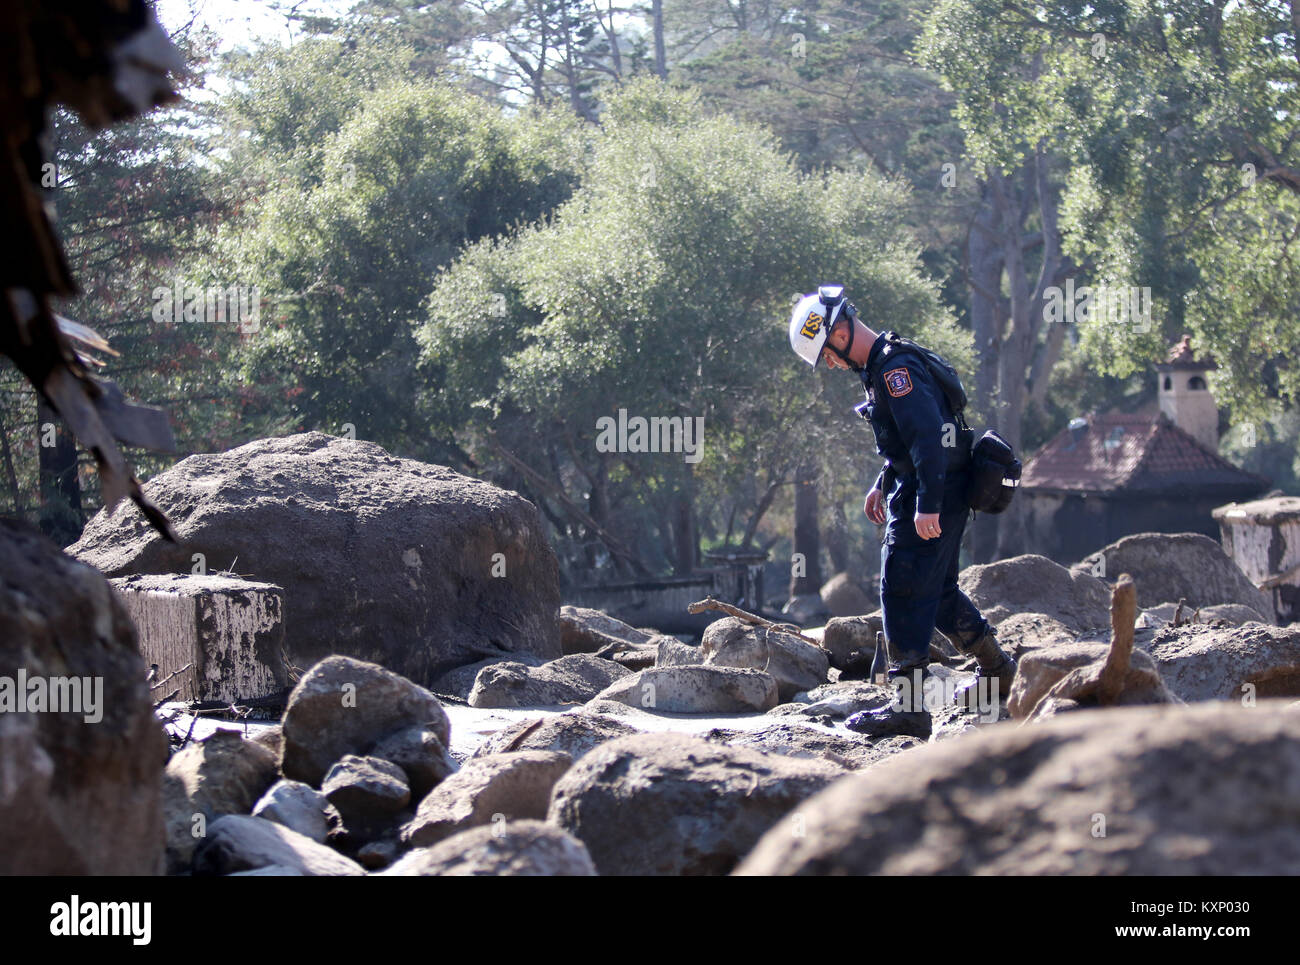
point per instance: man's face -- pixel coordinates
(839, 337)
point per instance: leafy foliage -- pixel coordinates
(1179, 123)
(663, 287)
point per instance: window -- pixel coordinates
(1169, 383)
(1196, 383)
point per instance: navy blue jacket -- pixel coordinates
(913, 423)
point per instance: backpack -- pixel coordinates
(994, 474)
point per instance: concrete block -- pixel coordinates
(230, 632)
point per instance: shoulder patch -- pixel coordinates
(898, 382)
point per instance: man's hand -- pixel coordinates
(875, 506)
(927, 525)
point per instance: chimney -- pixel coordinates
(1185, 396)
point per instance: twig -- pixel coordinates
(519, 738)
(276, 700)
(175, 673)
(709, 603)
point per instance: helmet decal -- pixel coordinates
(812, 320)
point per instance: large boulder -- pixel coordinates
(366, 791)
(849, 641)
(574, 733)
(1050, 676)
(507, 786)
(421, 755)
(1071, 676)
(671, 804)
(584, 630)
(572, 679)
(851, 637)
(796, 664)
(1205, 789)
(1200, 662)
(1020, 633)
(693, 690)
(459, 683)
(224, 774)
(411, 566)
(1175, 566)
(346, 706)
(1034, 584)
(240, 842)
(513, 848)
(671, 652)
(81, 789)
(845, 598)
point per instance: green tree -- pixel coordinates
(842, 84)
(1178, 121)
(346, 245)
(663, 288)
(136, 205)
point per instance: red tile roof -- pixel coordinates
(1120, 452)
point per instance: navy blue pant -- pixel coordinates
(918, 578)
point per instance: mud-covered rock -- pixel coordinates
(408, 565)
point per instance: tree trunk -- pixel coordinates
(1015, 363)
(807, 535)
(837, 539)
(764, 504)
(685, 536)
(611, 36)
(61, 517)
(1017, 343)
(657, 16)
(984, 277)
(10, 475)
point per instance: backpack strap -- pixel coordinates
(898, 342)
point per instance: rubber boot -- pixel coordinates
(994, 664)
(906, 716)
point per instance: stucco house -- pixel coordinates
(1110, 475)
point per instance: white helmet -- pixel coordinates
(813, 318)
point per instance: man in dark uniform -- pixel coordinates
(920, 496)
